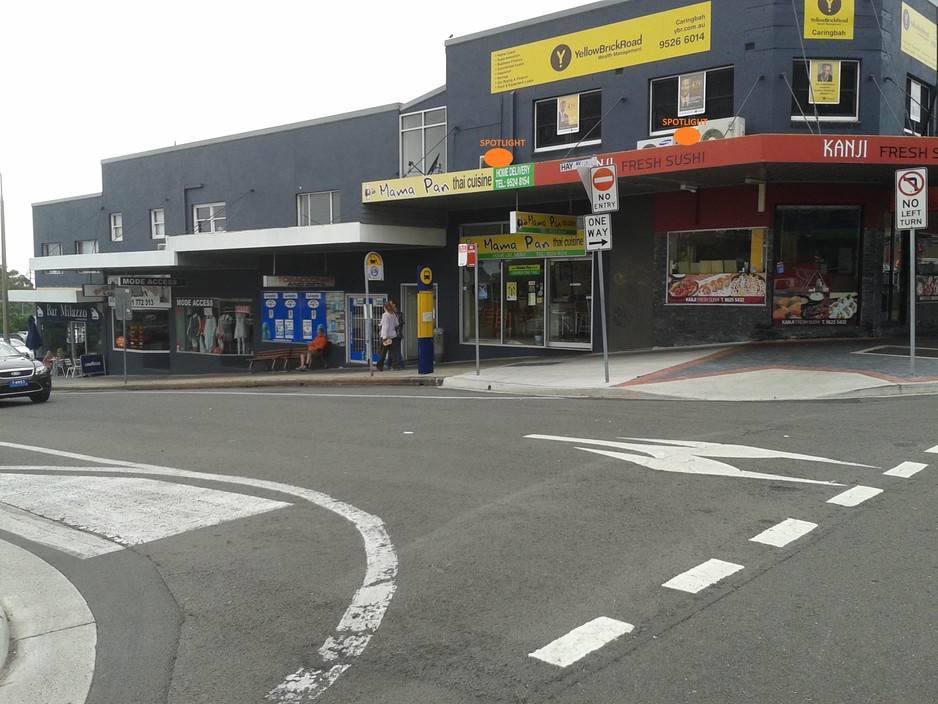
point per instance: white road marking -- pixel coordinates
(692, 457)
(702, 576)
(54, 535)
(582, 641)
(784, 533)
(128, 510)
(933, 450)
(53, 632)
(906, 469)
(855, 496)
(369, 603)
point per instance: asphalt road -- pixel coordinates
(474, 538)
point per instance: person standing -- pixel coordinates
(389, 341)
(399, 330)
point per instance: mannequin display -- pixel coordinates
(241, 331)
(208, 333)
(194, 332)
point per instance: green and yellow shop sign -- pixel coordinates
(428, 186)
(524, 245)
(662, 35)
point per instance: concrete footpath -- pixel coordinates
(764, 371)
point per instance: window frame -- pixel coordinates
(157, 224)
(923, 127)
(717, 103)
(303, 213)
(217, 214)
(79, 248)
(826, 112)
(117, 227)
(51, 249)
(544, 120)
(419, 167)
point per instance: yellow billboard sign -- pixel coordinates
(828, 19)
(662, 35)
(427, 186)
(524, 245)
(918, 38)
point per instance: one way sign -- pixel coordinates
(598, 229)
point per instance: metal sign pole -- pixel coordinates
(912, 300)
(476, 296)
(602, 312)
(369, 327)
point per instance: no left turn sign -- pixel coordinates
(911, 199)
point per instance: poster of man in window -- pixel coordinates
(824, 80)
(691, 99)
(568, 114)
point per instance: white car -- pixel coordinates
(21, 347)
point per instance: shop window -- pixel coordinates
(826, 90)
(568, 120)
(918, 113)
(157, 224)
(117, 227)
(423, 142)
(817, 265)
(147, 331)
(214, 326)
(717, 267)
(317, 208)
(209, 217)
(706, 94)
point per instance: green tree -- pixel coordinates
(17, 312)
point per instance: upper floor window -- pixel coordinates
(918, 108)
(209, 217)
(51, 249)
(568, 120)
(423, 142)
(317, 208)
(678, 100)
(826, 90)
(157, 224)
(117, 227)
(86, 247)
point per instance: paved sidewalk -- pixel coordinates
(785, 370)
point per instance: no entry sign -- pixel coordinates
(604, 189)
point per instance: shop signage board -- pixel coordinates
(467, 254)
(598, 231)
(911, 199)
(542, 223)
(604, 189)
(514, 176)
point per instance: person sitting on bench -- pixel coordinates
(317, 349)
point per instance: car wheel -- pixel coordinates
(41, 397)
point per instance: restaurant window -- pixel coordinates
(717, 267)
(423, 142)
(117, 227)
(209, 217)
(712, 93)
(918, 113)
(568, 120)
(218, 326)
(157, 224)
(817, 265)
(147, 331)
(317, 208)
(831, 94)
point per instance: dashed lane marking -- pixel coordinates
(906, 469)
(582, 641)
(784, 533)
(702, 576)
(855, 496)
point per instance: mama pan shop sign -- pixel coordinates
(429, 185)
(524, 245)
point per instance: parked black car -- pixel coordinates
(22, 376)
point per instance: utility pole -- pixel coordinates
(3, 267)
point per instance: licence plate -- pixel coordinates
(17, 383)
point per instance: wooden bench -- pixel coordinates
(272, 356)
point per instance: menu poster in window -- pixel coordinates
(568, 114)
(292, 316)
(691, 99)
(824, 78)
(746, 288)
(803, 296)
(335, 316)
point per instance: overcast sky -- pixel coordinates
(82, 82)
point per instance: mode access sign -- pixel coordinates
(911, 199)
(604, 189)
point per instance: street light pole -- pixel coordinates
(3, 266)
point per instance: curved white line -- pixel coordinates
(369, 604)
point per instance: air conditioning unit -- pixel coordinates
(656, 142)
(723, 128)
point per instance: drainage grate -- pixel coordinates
(901, 351)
